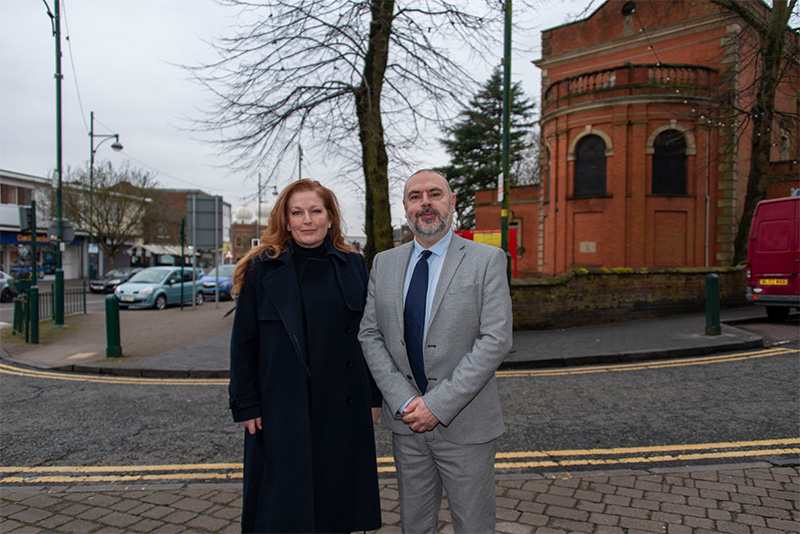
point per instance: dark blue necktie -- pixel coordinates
(414, 316)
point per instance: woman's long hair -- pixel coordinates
(276, 236)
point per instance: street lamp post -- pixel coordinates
(114, 146)
(504, 213)
(58, 301)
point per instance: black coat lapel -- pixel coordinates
(281, 287)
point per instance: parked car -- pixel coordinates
(6, 292)
(773, 256)
(109, 282)
(209, 281)
(159, 287)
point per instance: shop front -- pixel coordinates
(16, 260)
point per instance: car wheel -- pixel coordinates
(161, 302)
(778, 313)
(198, 299)
(6, 296)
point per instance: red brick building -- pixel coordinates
(242, 235)
(643, 165)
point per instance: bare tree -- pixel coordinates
(118, 198)
(365, 77)
(773, 55)
(527, 168)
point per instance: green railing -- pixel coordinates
(21, 324)
(74, 302)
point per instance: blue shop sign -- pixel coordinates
(16, 238)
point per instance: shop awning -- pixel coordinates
(174, 250)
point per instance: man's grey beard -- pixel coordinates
(441, 226)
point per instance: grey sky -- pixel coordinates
(119, 61)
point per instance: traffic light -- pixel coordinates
(26, 219)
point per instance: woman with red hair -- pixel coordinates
(298, 378)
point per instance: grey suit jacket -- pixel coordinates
(469, 335)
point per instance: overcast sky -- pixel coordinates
(119, 60)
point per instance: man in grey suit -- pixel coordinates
(438, 384)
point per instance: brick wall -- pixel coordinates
(583, 297)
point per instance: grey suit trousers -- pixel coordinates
(426, 463)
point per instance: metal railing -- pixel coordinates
(74, 302)
(20, 323)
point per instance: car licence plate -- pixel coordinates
(773, 282)
(127, 299)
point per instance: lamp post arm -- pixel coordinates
(92, 150)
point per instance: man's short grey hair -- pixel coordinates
(449, 189)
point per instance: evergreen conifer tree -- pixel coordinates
(475, 144)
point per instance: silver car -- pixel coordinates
(6, 293)
(159, 287)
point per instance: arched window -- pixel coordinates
(669, 163)
(590, 167)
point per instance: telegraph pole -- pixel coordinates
(506, 138)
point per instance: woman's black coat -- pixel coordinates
(312, 468)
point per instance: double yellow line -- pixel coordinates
(109, 379)
(120, 474)
(647, 455)
(641, 366)
(588, 369)
(505, 462)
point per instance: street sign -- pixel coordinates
(67, 231)
(204, 221)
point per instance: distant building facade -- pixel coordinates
(642, 167)
(18, 189)
(161, 240)
(242, 236)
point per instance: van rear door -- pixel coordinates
(774, 251)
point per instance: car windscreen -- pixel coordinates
(115, 273)
(224, 270)
(148, 276)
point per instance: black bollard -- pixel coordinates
(113, 343)
(712, 305)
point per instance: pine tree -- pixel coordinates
(475, 144)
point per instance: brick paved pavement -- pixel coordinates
(746, 499)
